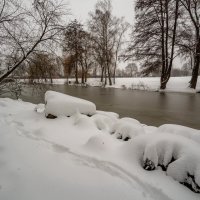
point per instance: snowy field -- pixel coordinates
(85, 154)
(175, 84)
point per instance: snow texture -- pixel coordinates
(177, 155)
(187, 132)
(127, 128)
(79, 157)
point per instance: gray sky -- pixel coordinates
(81, 8)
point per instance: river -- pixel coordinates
(151, 108)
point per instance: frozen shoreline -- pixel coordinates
(175, 84)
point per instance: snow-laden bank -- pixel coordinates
(175, 84)
(93, 157)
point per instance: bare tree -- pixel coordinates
(29, 31)
(155, 36)
(193, 36)
(87, 57)
(73, 44)
(103, 27)
(123, 26)
(42, 67)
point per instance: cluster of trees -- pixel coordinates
(100, 45)
(27, 34)
(166, 29)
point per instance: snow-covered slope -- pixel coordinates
(80, 157)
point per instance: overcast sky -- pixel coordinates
(81, 8)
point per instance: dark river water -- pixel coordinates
(151, 108)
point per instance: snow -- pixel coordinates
(127, 128)
(80, 157)
(175, 84)
(179, 157)
(187, 132)
(58, 104)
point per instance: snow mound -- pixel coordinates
(104, 122)
(130, 120)
(149, 129)
(100, 143)
(179, 157)
(82, 121)
(187, 132)
(112, 115)
(57, 104)
(127, 128)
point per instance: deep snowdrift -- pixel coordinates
(93, 157)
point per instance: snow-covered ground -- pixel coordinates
(175, 84)
(92, 157)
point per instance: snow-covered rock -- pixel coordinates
(58, 104)
(104, 121)
(177, 155)
(127, 128)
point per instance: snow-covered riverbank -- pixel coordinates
(92, 157)
(175, 84)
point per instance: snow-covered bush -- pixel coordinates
(104, 122)
(57, 104)
(176, 155)
(82, 121)
(127, 128)
(187, 132)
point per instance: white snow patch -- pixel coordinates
(61, 104)
(175, 84)
(40, 108)
(174, 129)
(127, 128)
(77, 158)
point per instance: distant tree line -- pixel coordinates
(164, 30)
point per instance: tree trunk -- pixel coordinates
(86, 77)
(105, 76)
(162, 77)
(163, 84)
(76, 73)
(109, 77)
(82, 75)
(195, 71)
(114, 72)
(102, 73)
